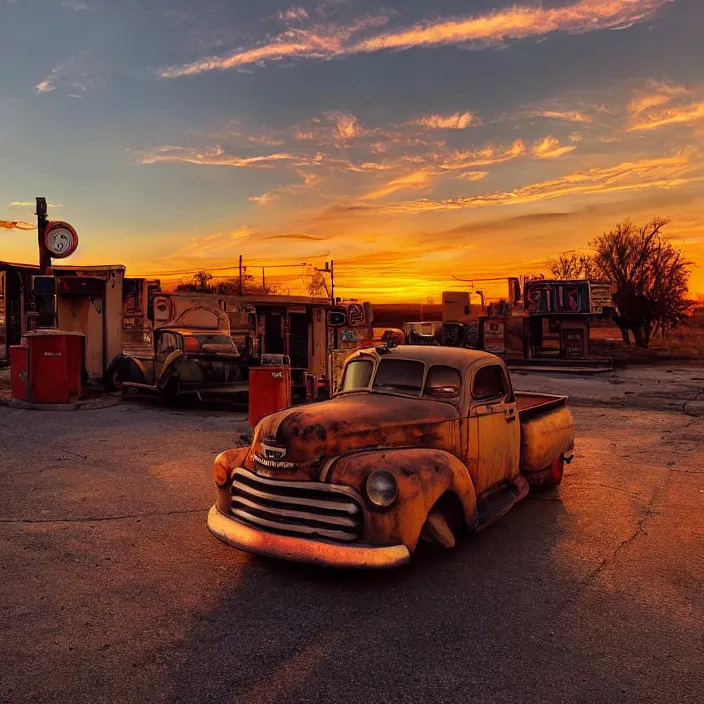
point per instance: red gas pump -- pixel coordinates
(269, 391)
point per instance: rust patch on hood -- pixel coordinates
(312, 434)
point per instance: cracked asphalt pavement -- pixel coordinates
(112, 589)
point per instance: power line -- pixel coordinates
(221, 268)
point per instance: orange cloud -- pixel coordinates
(414, 181)
(75, 73)
(663, 104)
(549, 148)
(487, 156)
(30, 204)
(300, 238)
(667, 172)
(207, 245)
(293, 13)
(684, 114)
(512, 23)
(566, 115)
(317, 42)
(216, 156)
(265, 139)
(473, 175)
(655, 94)
(308, 181)
(16, 225)
(346, 126)
(456, 121)
(517, 22)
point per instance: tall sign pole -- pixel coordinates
(44, 256)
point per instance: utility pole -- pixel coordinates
(44, 257)
(240, 274)
(263, 282)
(332, 281)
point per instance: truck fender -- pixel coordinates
(168, 368)
(227, 461)
(423, 475)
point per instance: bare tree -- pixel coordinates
(250, 287)
(202, 282)
(313, 281)
(571, 265)
(650, 278)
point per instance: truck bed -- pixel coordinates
(546, 430)
(532, 405)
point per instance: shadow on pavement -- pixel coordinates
(510, 615)
(434, 630)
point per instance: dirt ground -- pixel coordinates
(665, 387)
(113, 590)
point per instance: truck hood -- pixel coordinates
(309, 436)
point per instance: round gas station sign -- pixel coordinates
(60, 239)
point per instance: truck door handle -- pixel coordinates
(510, 414)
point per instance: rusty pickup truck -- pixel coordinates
(417, 443)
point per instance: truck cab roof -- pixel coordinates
(457, 357)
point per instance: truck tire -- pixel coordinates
(549, 477)
(557, 471)
(445, 521)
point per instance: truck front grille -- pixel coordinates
(305, 509)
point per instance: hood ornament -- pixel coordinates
(273, 452)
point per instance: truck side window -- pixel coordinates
(442, 381)
(489, 383)
(167, 343)
(358, 374)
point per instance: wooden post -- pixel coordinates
(44, 257)
(240, 274)
(263, 282)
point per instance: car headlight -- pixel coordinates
(382, 488)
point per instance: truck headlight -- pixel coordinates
(382, 488)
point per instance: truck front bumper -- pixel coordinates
(312, 552)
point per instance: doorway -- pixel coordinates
(274, 333)
(298, 340)
(85, 314)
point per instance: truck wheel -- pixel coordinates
(445, 521)
(172, 389)
(547, 478)
(557, 470)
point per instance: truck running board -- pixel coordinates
(499, 502)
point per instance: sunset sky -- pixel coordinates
(408, 140)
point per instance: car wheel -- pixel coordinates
(112, 378)
(122, 369)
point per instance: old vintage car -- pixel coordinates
(183, 361)
(418, 442)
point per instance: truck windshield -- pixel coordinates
(358, 374)
(402, 375)
(214, 340)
